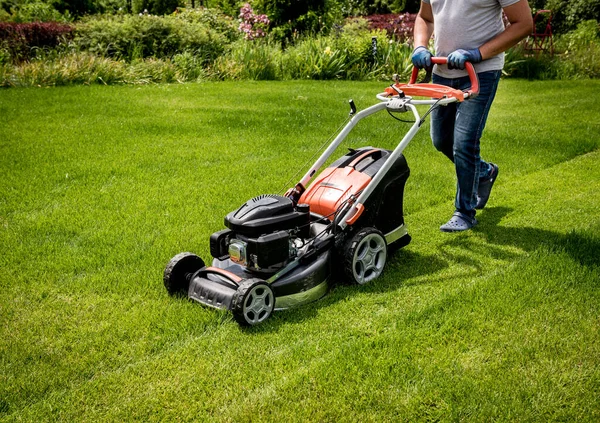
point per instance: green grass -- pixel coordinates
(101, 186)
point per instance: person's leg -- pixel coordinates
(442, 123)
(471, 117)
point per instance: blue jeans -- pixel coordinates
(456, 131)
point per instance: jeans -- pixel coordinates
(456, 131)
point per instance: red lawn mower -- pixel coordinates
(281, 251)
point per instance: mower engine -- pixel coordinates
(264, 234)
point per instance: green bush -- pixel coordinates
(156, 7)
(577, 56)
(581, 51)
(567, 14)
(189, 67)
(133, 37)
(314, 58)
(35, 11)
(255, 60)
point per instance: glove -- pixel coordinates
(457, 59)
(421, 57)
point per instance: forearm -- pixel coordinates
(521, 24)
(505, 40)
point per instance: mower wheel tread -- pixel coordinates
(175, 275)
(242, 294)
(371, 262)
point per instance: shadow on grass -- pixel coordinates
(583, 248)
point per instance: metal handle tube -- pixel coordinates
(384, 169)
(338, 140)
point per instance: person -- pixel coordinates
(467, 31)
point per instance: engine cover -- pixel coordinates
(265, 214)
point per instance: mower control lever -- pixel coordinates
(352, 107)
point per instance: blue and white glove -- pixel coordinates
(421, 58)
(458, 58)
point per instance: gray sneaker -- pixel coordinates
(485, 188)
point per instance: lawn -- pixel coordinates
(101, 186)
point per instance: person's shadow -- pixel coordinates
(583, 248)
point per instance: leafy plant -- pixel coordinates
(20, 41)
(132, 37)
(255, 60)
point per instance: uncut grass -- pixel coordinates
(102, 185)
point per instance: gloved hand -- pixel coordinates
(457, 59)
(421, 57)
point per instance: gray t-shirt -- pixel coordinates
(466, 24)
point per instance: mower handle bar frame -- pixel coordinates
(394, 103)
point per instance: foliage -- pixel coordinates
(212, 18)
(366, 7)
(577, 56)
(21, 41)
(255, 60)
(156, 7)
(581, 57)
(397, 26)
(35, 11)
(290, 18)
(252, 25)
(131, 37)
(567, 14)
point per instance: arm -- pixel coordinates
(521, 24)
(423, 25)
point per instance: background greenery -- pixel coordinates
(101, 186)
(323, 39)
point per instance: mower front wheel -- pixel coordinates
(365, 255)
(253, 302)
(179, 271)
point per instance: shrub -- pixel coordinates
(252, 25)
(85, 68)
(21, 40)
(397, 26)
(256, 60)
(35, 11)
(314, 58)
(567, 14)
(133, 37)
(581, 57)
(217, 21)
(156, 7)
(189, 67)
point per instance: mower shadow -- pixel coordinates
(405, 264)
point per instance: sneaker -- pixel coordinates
(485, 188)
(459, 222)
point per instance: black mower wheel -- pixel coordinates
(253, 302)
(365, 255)
(179, 271)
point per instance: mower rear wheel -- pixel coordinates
(365, 255)
(179, 272)
(253, 302)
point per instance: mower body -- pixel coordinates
(270, 234)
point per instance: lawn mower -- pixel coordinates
(281, 251)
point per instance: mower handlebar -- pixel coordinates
(473, 91)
